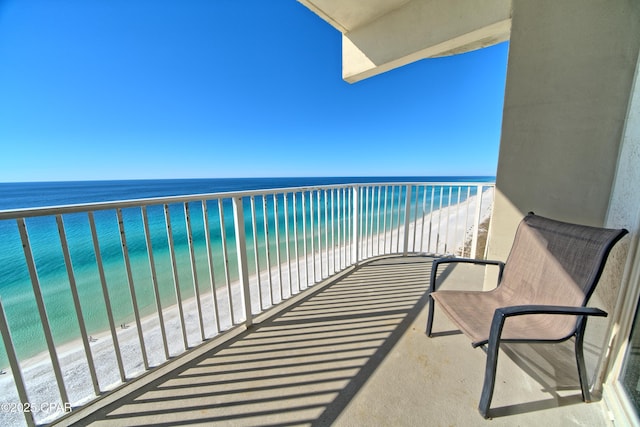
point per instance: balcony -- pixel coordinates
(307, 306)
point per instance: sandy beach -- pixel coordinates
(38, 374)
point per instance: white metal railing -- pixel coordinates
(184, 269)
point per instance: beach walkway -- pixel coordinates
(353, 352)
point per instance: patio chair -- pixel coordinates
(543, 288)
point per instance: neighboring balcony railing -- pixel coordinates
(120, 288)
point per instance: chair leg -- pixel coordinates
(582, 370)
(430, 316)
(489, 379)
(493, 346)
(432, 288)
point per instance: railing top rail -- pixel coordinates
(123, 204)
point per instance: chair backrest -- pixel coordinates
(556, 263)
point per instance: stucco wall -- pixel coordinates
(570, 70)
(624, 207)
(623, 285)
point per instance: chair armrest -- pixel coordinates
(501, 315)
(437, 262)
(518, 310)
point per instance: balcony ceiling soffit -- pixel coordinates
(347, 15)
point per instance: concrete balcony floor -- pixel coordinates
(354, 353)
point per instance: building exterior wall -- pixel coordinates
(624, 211)
(570, 71)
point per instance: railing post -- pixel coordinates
(241, 249)
(355, 248)
(476, 222)
(407, 218)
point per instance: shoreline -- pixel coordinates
(37, 371)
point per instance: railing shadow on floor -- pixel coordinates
(302, 365)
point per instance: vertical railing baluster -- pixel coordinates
(132, 291)
(370, 219)
(424, 213)
(225, 256)
(333, 243)
(337, 227)
(372, 222)
(313, 236)
(365, 217)
(286, 240)
(265, 218)
(415, 219)
(391, 211)
(365, 222)
(371, 214)
(154, 281)
(446, 230)
(361, 214)
(303, 203)
(476, 222)
(254, 227)
(16, 372)
(407, 218)
(342, 227)
(212, 279)
(339, 242)
(194, 270)
(339, 230)
(455, 227)
(176, 279)
(241, 251)
(105, 295)
(294, 201)
(326, 230)
(398, 218)
(76, 303)
(433, 195)
(35, 283)
(345, 240)
(439, 220)
(355, 221)
(379, 192)
(466, 222)
(276, 221)
(348, 228)
(384, 220)
(319, 213)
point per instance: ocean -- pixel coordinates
(16, 290)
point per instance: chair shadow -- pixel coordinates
(445, 334)
(539, 405)
(553, 367)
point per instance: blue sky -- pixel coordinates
(144, 89)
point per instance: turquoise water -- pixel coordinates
(16, 289)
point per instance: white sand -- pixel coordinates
(38, 373)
